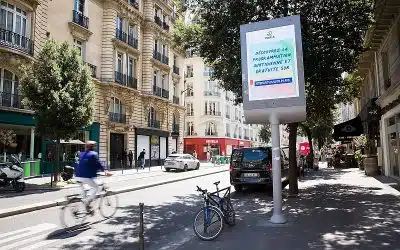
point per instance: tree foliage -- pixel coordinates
(185, 36)
(332, 38)
(59, 89)
(265, 133)
(7, 137)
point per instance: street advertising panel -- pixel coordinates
(272, 70)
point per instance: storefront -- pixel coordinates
(215, 146)
(155, 143)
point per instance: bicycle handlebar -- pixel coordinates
(201, 190)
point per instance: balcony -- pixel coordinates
(246, 137)
(210, 133)
(175, 69)
(9, 100)
(158, 21)
(227, 134)
(124, 80)
(154, 124)
(213, 113)
(189, 74)
(132, 82)
(133, 3)
(211, 93)
(175, 100)
(165, 93)
(117, 117)
(133, 42)
(157, 55)
(80, 19)
(157, 91)
(93, 70)
(189, 113)
(165, 26)
(16, 41)
(165, 59)
(235, 136)
(120, 35)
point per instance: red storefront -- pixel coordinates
(217, 146)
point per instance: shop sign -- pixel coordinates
(241, 143)
(272, 70)
(212, 141)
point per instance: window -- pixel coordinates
(164, 50)
(155, 78)
(119, 63)
(13, 19)
(175, 60)
(79, 6)
(152, 114)
(189, 109)
(227, 130)
(189, 71)
(211, 129)
(189, 89)
(164, 82)
(190, 128)
(156, 45)
(130, 66)
(227, 111)
(119, 23)
(116, 106)
(211, 108)
(79, 45)
(132, 31)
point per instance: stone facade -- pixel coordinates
(117, 40)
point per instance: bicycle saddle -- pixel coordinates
(217, 183)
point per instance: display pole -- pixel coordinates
(277, 216)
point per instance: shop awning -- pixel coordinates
(76, 142)
(348, 130)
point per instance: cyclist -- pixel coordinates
(86, 173)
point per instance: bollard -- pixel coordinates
(141, 227)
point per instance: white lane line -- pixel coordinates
(14, 232)
(32, 230)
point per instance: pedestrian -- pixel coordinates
(130, 157)
(141, 158)
(208, 156)
(194, 154)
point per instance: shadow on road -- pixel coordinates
(330, 214)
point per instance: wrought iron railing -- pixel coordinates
(93, 70)
(156, 90)
(154, 124)
(120, 35)
(16, 41)
(175, 100)
(210, 133)
(158, 21)
(165, 26)
(133, 41)
(175, 69)
(117, 117)
(11, 100)
(80, 19)
(165, 94)
(157, 55)
(165, 59)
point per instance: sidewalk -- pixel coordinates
(38, 198)
(337, 209)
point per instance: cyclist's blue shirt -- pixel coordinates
(89, 165)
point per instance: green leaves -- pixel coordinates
(265, 133)
(7, 137)
(59, 89)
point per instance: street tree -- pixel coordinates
(58, 87)
(332, 36)
(265, 133)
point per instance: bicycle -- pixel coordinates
(216, 207)
(78, 208)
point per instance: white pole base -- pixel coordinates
(278, 219)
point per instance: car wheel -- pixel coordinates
(167, 169)
(185, 168)
(238, 188)
(197, 166)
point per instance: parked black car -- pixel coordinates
(253, 166)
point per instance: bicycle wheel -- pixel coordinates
(108, 205)
(229, 212)
(208, 223)
(73, 213)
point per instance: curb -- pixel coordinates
(48, 204)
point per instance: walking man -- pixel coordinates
(141, 158)
(130, 158)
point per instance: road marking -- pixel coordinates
(30, 231)
(39, 245)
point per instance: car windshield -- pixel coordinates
(250, 154)
(172, 157)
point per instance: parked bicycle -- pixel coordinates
(209, 221)
(74, 211)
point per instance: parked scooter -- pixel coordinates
(12, 174)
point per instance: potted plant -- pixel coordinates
(359, 159)
(7, 138)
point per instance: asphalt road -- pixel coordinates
(169, 212)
